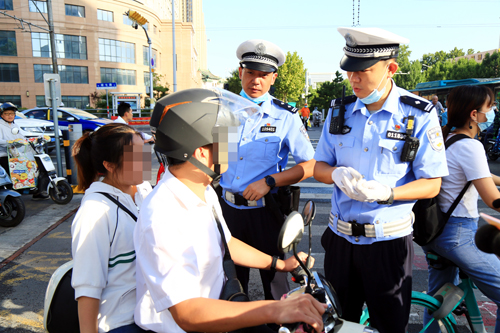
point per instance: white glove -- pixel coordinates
(372, 190)
(346, 179)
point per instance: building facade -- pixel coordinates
(96, 43)
(479, 56)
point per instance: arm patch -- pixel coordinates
(418, 103)
(285, 106)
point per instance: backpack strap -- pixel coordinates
(447, 144)
(119, 204)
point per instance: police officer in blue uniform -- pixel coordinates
(263, 148)
(387, 153)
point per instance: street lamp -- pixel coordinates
(138, 19)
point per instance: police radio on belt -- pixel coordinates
(338, 111)
(411, 145)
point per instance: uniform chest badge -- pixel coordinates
(267, 128)
(396, 135)
(397, 127)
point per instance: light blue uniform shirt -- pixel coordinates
(367, 149)
(263, 148)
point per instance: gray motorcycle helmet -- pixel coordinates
(7, 106)
(192, 118)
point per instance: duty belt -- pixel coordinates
(238, 200)
(368, 230)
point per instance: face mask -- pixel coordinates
(257, 100)
(376, 95)
(490, 116)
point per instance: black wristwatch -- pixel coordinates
(388, 201)
(270, 181)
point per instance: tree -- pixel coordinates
(160, 89)
(233, 83)
(291, 78)
(322, 96)
(409, 72)
(490, 67)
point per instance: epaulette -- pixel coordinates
(347, 100)
(417, 103)
(285, 106)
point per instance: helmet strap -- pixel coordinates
(204, 168)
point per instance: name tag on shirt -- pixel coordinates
(268, 129)
(396, 135)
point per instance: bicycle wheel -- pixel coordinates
(421, 302)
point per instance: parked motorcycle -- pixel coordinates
(312, 283)
(58, 188)
(12, 209)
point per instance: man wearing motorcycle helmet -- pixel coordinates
(178, 246)
(259, 178)
(7, 124)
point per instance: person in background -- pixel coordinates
(469, 112)
(7, 123)
(305, 113)
(102, 231)
(125, 115)
(438, 106)
(368, 243)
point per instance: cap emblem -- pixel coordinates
(260, 49)
(350, 40)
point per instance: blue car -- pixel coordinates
(68, 116)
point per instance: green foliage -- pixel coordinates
(326, 91)
(409, 72)
(233, 83)
(291, 79)
(160, 88)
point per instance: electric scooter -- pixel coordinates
(58, 188)
(12, 209)
(313, 283)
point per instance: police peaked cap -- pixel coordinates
(260, 55)
(367, 46)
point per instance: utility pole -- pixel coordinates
(52, 36)
(174, 57)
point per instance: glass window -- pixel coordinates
(42, 6)
(40, 101)
(9, 73)
(14, 99)
(79, 102)
(120, 76)
(145, 56)
(6, 5)
(146, 79)
(68, 74)
(104, 15)
(116, 51)
(127, 20)
(67, 46)
(8, 43)
(73, 10)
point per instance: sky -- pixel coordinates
(310, 28)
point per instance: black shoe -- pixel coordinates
(40, 196)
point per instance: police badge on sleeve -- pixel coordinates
(436, 138)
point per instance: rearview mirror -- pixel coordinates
(71, 119)
(291, 232)
(15, 130)
(309, 212)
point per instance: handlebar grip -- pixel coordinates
(298, 274)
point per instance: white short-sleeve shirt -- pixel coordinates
(179, 252)
(466, 162)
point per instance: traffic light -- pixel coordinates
(136, 17)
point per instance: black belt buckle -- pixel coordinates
(357, 229)
(239, 200)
